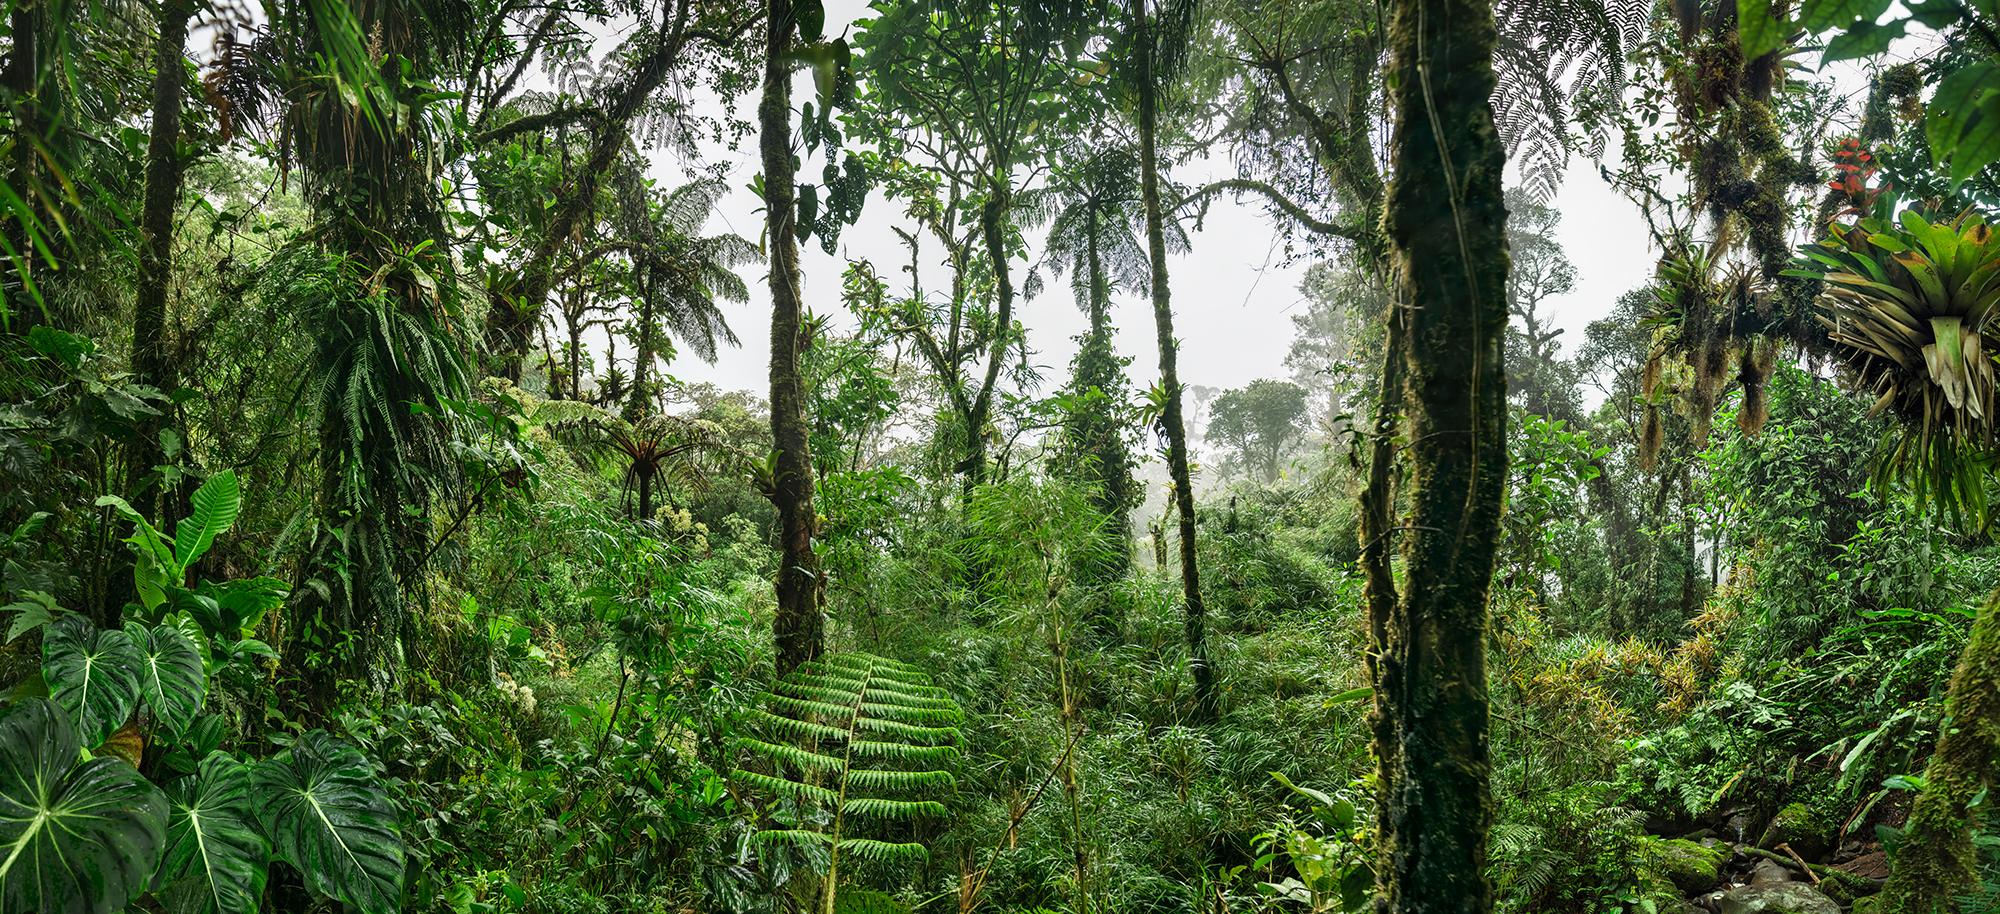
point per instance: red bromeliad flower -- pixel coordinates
(1854, 167)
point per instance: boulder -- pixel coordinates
(1777, 898)
(1692, 866)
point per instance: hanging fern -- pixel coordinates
(859, 746)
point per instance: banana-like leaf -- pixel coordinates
(171, 678)
(328, 816)
(93, 674)
(216, 505)
(216, 860)
(75, 838)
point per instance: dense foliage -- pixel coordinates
(364, 547)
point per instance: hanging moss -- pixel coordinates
(1652, 435)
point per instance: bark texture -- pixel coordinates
(1206, 701)
(150, 364)
(1446, 226)
(798, 628)
(1934, 863)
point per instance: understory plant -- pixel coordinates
(115, 785)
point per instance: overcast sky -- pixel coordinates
(1233, 293)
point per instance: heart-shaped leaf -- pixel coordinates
(170, 674)
(92, 673)
(328, 816)
(216, 860)
(75, 838)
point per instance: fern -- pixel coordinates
(857, 743)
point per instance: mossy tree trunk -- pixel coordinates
(798, 628)
(1171, 419)
(1934, 863)
(150, 364)
(1097, 429)
(1446, 224)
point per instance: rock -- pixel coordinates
(1691, 866)
(1798, 826)
(1867, 904)
(1871, 865)
(1777, 898)
(1771, 872)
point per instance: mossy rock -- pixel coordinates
(1693, 867)
(1778, 898)
(1867, 904)
(1800, 827)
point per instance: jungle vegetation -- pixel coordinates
(365, 546)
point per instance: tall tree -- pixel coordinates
(1259, 422)
(515, 303)
(1446, 227)
(799, 626)
(380, 294)
(156, 227)
(980, 89)
(1092, 238)
(1158, 44)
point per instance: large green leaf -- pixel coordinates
(75, 838)
(238, 604)
(216, 859)
(170, 674)
(92, 673)
(1963, 123)
(155, 567)
(328, 816)
(215, 504)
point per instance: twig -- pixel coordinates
(1014, 825)
(1787, 848)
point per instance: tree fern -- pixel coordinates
(860, 746)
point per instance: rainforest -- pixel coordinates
(999, 456)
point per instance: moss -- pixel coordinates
(1690, 866)
(1934, 862)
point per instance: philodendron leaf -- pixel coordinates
(170, 673)
(75, 838)
(329, 817)
(155, 567)
(215, 504)
(216, 860)
(92, 673)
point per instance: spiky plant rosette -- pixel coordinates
(1907, 308)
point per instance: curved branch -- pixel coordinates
(1276, 198)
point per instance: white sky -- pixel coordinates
(1233, 294)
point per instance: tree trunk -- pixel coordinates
(640, 401)
(798, 628)
(513, 309)
(645, 494)
(22, 77)
(1100, 433)
(1206, 705)
(1935, 861)
(156, 236)
(993, 224)
(1446, 225)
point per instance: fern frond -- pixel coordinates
(790, 837)
(899, 810)
(904, 752)
(862, 739)
(795, 789)
(802, 759)
(884, 851)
